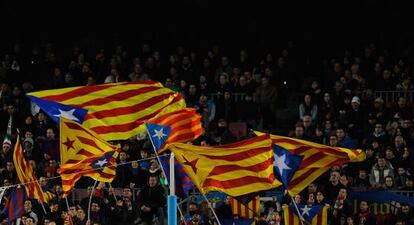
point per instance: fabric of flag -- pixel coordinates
(183, 182)
(158, 134)
(315, 214)
(83, 153)
(115, 111)
(236, 221)
(25, 174)
(317, 159)
(249, 210)
(15, 204)
(235, 169)
(185, 126)
(286, 164)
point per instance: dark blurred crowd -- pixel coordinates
(233, 94)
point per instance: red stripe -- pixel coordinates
(254, 205)
(131, 125)
(308, 173)
(161, 119)
(246, 211)
(118, 97)
(323, 149)
(319, 217)
(231, 168)
(20, 201)
(85, 153)
(312, 159)
(76, 126)
(81, 91)
(72, 161)
(238, 182)
(291, 220)
(186, 135)
(89, 142)
(239, 210)
(240, 155)
(119, 111)
(178, 118)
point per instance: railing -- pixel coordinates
(236, 96)
(392, 96)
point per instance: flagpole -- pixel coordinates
(67, 203)
(90, 200)
(297, 209)
(211, 207)
(172, 198)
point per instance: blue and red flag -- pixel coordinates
(183, 182)
(15, 204)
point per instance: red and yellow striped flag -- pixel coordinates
(292, 219)
(317, 159)
(185, 126)
(25, 174)
(249, 211)
(117, 111)
(83, 153)
(235, 169)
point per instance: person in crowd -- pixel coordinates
(151, 201)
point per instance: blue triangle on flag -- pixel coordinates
(307, 211)
(101, 162)
(285, 164)
(158, 134)
(54, 110)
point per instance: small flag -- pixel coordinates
(15, 204)
(313, 214)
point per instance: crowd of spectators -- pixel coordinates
(337, 110)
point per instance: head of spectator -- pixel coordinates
(264, 81)
(50, 134)
(299, 131)
(6, 146)
(153, 180)
(334, 178)
(298, 199)
(333, 140)
(389, 183)
(355, 103)
(399, 142)
(307, 121)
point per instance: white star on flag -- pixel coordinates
(305, 210)
(67, 115)
(280, 163)
(101, 163)
(159, 133)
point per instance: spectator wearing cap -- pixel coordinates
(28, 150)
(6, 153)
(355, 118)
(379, 111)
(364, 216)
(379, 171)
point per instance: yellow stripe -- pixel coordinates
(60, 91)
(242, 189)
(116, 103)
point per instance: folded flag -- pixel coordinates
(25, 174)
(184, 125)
(84, 154)
(312, 214)
(317, 159)
(235, 169)
(114, 111)
(158, 135)
(15, 204)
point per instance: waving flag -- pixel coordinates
(235, 169)
(114, 111)
(185, 125)
(25, 174)
(15, 204)
(317, 159)
(313, 214)
(158, 134)
(83, 153)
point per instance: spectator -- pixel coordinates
(265, 96)
(341, 207)
(333, 187)
(151, 201)
(364, 216)
(406, 214)
(207, 109)
(308, 108)
(344, 140)
(379, 171)
(125, 211)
